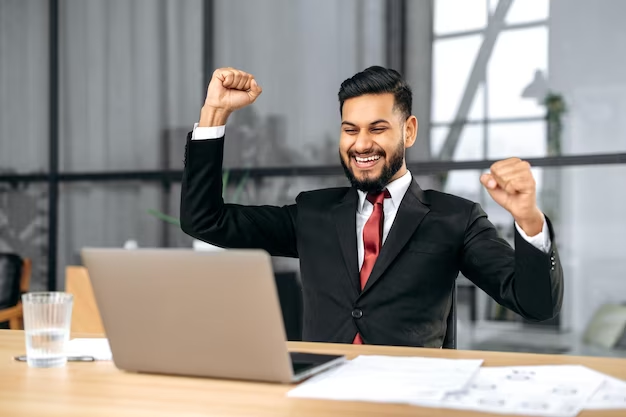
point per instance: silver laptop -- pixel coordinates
(184, 312)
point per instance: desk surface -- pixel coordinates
(99, 389)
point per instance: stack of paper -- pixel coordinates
(553, 391)
(390, 379)
(97, 348)
(611, 395)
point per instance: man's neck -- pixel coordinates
(401, 172)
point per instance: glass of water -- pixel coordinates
(47, 318)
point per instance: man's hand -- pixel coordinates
(511, 184)
(229, 90)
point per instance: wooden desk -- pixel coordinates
(99, 389)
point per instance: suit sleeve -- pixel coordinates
(204, 215)
(525, 280)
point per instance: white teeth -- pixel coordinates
(368, 159)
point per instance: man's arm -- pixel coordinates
(527, 280)
(203, 213)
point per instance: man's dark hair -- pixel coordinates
(378, 80)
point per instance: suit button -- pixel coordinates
(357, 313)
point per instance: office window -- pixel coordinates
(517, 55)
(459, 15)
(490, 70)
(453, 59)
(525, 11)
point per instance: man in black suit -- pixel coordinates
(378, 260)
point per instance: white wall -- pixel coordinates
(587, 64)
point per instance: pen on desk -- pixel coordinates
(22, 358)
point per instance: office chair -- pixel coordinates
(85, 314)
(449, 341)
(290, 296)
(14, 280)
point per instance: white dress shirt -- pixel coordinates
(364, 210)
(397, 189)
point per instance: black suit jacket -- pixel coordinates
(407, 297)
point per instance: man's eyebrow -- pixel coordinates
(375, 122)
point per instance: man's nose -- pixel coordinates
(363, 142)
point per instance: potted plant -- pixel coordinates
(555, 108)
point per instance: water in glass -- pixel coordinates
(46, 347)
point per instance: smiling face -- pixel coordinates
(373, 139)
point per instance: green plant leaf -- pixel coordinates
(225, 176)
(166, 218)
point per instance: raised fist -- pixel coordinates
(231, 89)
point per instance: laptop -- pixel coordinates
(196, 313)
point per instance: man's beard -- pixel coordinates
(373, 185)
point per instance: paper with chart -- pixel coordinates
(390, 379)
(98, 348)
(553, 391)
(611, 395)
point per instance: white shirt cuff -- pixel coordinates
(541, 241)
(204, 133)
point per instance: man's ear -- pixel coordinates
(410, 131)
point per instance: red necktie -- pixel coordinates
(372, 240)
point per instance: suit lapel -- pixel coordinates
(411, 212)
(344, 215)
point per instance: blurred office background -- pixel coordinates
(96, 98)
